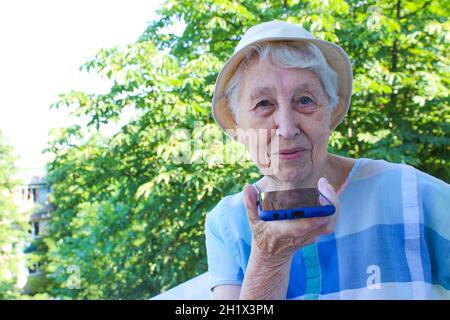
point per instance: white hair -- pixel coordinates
(301, 55)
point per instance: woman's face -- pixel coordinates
(288, 108)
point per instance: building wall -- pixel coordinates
(32, 199)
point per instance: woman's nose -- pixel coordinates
(286, 123)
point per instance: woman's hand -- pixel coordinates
(283, 238)
(274, 243)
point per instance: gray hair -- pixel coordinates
(301, 55)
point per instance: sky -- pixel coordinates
(42, 45)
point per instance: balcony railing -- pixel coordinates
(194, 289)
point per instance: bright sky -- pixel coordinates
(43, 43)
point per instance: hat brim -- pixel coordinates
(335, 56)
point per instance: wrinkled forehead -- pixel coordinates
(264, 78)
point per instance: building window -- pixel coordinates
(35, 194)
(34, 268)
(36, 228)
(24, 194)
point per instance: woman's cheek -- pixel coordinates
(256, 142)
(264, 156)
(319, 141)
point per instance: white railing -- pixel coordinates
(194, 289)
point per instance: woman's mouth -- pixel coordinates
(291, 154)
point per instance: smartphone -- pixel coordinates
(293, 204)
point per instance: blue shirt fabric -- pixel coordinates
(392, 239)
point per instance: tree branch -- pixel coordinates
(395, 44)
(394, 58)
(414, 12)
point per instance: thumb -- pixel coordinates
(250, 199)
(328, 191)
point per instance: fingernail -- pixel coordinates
(331, 189)
(323, 181)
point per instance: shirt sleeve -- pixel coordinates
(435, 204)
(223, 267)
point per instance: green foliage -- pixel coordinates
(130, 211)
(13, 226)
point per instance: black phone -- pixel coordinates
(293, 204)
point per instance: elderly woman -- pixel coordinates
(390, 235)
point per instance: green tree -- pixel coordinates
(13, 226)
(130, 214)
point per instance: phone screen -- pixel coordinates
(288, 199)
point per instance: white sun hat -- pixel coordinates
(276, 31)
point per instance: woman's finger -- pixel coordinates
(328, 191)
(250, 202)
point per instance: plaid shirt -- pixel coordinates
(392, 239)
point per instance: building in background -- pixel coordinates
(32, 198)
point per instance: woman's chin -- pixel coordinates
(291, 174)
(289, 171)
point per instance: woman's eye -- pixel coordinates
(264, 103)
(305, 100)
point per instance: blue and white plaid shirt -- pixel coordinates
(392, 239)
